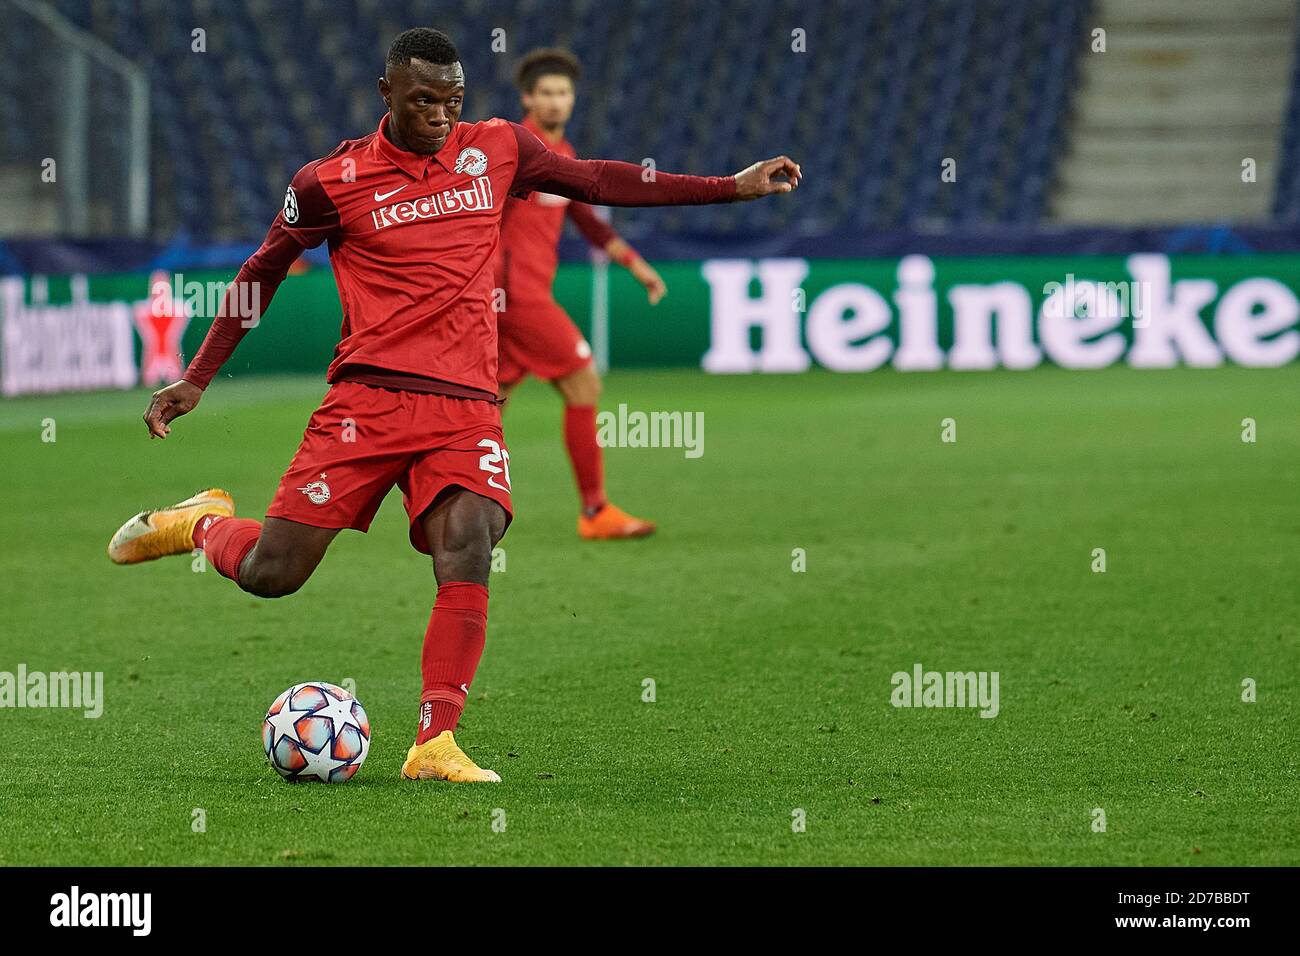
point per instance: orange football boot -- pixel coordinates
(612, 522)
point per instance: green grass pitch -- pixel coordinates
(1119, 690)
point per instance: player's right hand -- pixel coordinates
(170, 403)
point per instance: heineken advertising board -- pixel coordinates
(722, 315)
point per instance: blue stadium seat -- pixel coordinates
(885, 92)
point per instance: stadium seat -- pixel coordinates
(991, 90)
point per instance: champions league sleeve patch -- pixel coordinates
(290, 206)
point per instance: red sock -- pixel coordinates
(585, 454)
(227, 541)
(453, 645)
(201, 528)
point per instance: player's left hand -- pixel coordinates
(778, 175)
(648, 277)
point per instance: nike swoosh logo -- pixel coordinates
(379, 198)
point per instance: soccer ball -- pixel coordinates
(316, 731)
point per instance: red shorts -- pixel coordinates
(536, 336)
(363, 440)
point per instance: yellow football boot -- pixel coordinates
(157, 534)
(441, 759)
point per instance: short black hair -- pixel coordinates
(548, 61)
(422, 43)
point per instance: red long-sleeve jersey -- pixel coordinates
(412, 242)
(530, 228)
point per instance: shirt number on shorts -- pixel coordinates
(495, 462)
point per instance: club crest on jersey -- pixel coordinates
(471, 161)
(317, 492)
(290, 206)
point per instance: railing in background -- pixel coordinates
(75, 151)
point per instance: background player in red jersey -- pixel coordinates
(534, 333)
(412, 215)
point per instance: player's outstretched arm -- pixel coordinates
(307, 219)
(613, 183)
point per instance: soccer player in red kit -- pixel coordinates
(412, 217)
(534, 333)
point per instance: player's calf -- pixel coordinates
(283, 558)
(269, 579)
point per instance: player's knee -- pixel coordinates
(496, 530)
(581, 387)
(464, 560)
(464, 552)
(471, 544)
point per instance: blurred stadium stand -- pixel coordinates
(1046, 134)
(885, 92)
